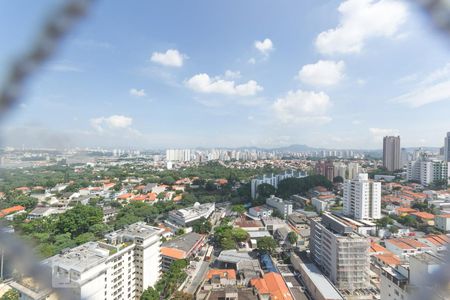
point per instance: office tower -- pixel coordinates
(120, 268)
(325, 168)
(447, 147)
(362, 198)
(391, 153)
(339, 252)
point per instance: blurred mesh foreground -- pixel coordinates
(16, 257)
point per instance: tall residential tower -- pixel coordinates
(362, 198)
(391, 153)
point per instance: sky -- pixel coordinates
(157, 74)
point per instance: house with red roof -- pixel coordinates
(10, 210)
(271, 286)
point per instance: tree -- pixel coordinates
(10, 295)
(292, 238)
(267, 244)
(79, 219)
(202, 226)
(384, 221)
(168, 180)
(239, 208)
(210, 186)
(150, 294)
(265, 190)
(338, 179)
(393, 229)
(240, 235)
(293, 186)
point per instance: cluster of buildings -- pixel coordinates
(273, 180)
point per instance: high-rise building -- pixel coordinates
(447, 147)
(339, 252)
(273, 180)
(325, 168)
(353, 170)
(178, 154)
(427, 171)
(120, 268)
(391, 153)
(362, 198)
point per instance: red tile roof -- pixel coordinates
(222, 273)
(11, 210)
(273, 284)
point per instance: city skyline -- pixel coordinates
(276, 83)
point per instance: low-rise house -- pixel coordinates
(248, 224)
(218, 278)
(406, 247)
(424, 217)
(10, 210)
(109, 214)
(271, 286)
(45, 211)
(438, 242)
(260, 211)
(181, 247)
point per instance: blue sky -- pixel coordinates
(151, 74)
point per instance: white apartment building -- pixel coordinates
(283, 207)
(427, 171)
(442, 222)
(353, 170)
(340, 253)
(185, 216)
(362, 198)
(273, 180)
(178, 155)
(122, 267)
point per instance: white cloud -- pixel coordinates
(202, 83)
(322, 73)
(265, 46)
(361, 20)
(432, 88)
(379, 133)
(233, 74)
(299, 106)
(137, 92)
(112, 122)
(171, 58)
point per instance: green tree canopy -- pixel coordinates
(267, 244)
(265, 190)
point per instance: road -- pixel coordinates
(198, 278)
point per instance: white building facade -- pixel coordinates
(283, 207)
(362, 198)
(121, 268)
(427, 171)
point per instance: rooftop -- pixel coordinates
(80, 258)
(185, 242)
